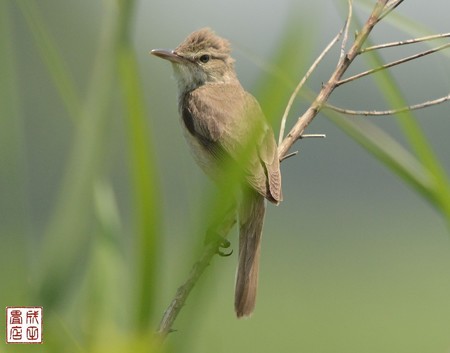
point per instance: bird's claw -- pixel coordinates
(221, 243)
(224, 244)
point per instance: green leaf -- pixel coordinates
(146, 198)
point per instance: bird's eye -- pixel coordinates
(204, 58)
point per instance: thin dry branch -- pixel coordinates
(390, 6)
(388, 112)
(302, 82)
(332, 83)
(394, 63)
(304, 136)
(348, 20)
(405, 42)
(297, 89)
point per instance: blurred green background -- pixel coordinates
(102, 207)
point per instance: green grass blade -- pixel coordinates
(51, 57)
(414, 135)
(389, 152)
(68, 228)
(14, 216)
(435, 186)
(146, 199)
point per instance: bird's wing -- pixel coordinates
(230, 123)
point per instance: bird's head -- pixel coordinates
(202, 58)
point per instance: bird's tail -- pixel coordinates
(251, 219)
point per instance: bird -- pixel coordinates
(222, 121)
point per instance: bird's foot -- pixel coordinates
(221, 242)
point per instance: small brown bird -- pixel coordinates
(220, 119)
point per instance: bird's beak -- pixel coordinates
(168, 55)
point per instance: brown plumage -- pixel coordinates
(221, 119)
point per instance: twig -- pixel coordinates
(394, 63)
(332, 83)
(305, 136)
(289, 155)
(294, 94)
(346, 30)
(388, 112)
(405, 42)
(302, 82)
(391, 5)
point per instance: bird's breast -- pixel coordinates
(200, 151)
